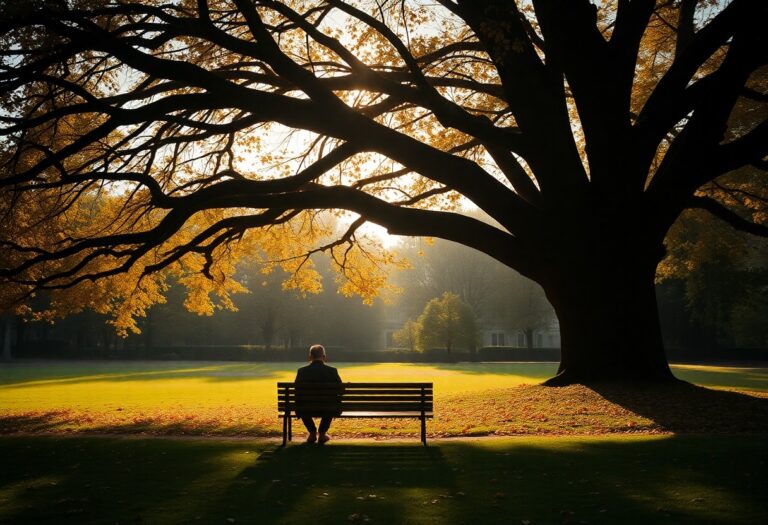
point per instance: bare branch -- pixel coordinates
(721, 212)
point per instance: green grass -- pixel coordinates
(646, 479)
(239, 399)
(32, 385)
(97, 384)
(709, 466)
(724, 376)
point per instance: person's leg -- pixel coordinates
(325, 424)
(311, 428)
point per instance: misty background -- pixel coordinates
(717, 310)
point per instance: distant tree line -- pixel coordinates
(443, 276)
(268, 317)
(712, 293)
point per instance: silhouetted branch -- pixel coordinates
(721, 212)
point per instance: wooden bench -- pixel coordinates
(359, 400)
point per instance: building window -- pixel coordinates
(520, 339)
(497, 339)
(539, 340)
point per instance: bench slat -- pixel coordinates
(303, 398)
(352, 386)
(347, 410)
(354, 405)
(357, 385)
(371, 414)
(347, 391)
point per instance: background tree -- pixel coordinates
(439, 266)
(499, 296)
(408, 335)
(467, 273)
(530, 311)
(147, 139)
(720, 278)
(447, 322)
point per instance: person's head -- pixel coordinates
(317, 353)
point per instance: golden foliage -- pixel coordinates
(191, 149)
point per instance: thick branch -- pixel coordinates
(721, 212)
(535, 93)
(663, 108)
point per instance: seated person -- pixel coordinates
(316, 372)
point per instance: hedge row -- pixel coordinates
(60, 350)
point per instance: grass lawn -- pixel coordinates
(608, 479)
(674, 454)
(471, 399)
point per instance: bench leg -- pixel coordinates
(290, 429)
(424, 431)
(285, 430)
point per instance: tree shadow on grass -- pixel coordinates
(687, 408)
(212, 371)
(50, 421)
(668, 479)
(338, 483)
(62, 421)
(754, 376)
(116, 373)
(535, 370)
(75, 480)
(692, 479)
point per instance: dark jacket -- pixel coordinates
(318, 372)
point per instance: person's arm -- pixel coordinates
(340, 392)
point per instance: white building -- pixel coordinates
(546, 337)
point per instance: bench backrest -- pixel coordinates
(356, 398)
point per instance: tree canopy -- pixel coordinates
(150, 139)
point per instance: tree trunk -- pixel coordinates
(528, 333)
(6, 337)
(21, 334)
(268, 327)
(106, 332)
(609, 322)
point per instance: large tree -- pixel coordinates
(154, 138)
